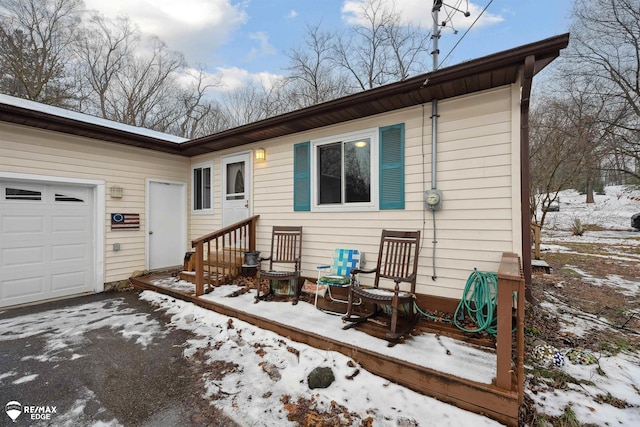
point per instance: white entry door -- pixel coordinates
(236, 188)
(166, 219)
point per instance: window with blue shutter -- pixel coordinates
(348, 175)
(302, 176)
(392, 167)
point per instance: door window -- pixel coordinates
(235, 181)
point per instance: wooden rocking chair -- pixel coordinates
(397, 262)
(286, 249)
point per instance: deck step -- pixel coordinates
(540, 265)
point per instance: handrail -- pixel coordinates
(224, 230)
(509, 375)
(225, 260)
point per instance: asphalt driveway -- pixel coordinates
(106, 359)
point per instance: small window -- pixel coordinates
(21, 194)
(65, 198)
(202, 187)
(344, 172)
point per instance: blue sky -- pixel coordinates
(243, 40)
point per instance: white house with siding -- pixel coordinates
(344, 170)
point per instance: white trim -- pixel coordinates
(183, 185)
(208, 211)
(99, 214)
(86, 118)
(373, 135)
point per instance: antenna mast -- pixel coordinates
(435, 33)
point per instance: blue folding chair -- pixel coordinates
(338, 274)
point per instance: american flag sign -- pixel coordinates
(125, 221)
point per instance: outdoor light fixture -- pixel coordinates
(261, 155)
(116, 192)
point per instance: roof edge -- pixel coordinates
(547, 48)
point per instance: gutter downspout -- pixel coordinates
(525, 182)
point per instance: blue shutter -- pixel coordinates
(392, 167)
(302, 176)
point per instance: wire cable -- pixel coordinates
(465, 33)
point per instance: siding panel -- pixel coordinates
(34, 151)
(476, 147)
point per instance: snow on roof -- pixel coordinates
(86, 118)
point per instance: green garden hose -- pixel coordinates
(479, 300)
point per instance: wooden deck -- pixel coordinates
(499, 403)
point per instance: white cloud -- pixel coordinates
(292, 14)
(418, 12)
(267, 80)
(264, 48)
(194, 27)
(232, 78)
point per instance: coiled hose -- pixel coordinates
(479, 301)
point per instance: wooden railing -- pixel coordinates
(510, 374)
(219, 255)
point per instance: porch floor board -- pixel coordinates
(475, 396)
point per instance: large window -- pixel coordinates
(202, 187)
(344, 166)
(358, 171)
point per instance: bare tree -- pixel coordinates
(144, 92)
(243, 105)
(565, 149)
(196, 110)
(35, 48)
(312, 79)
(381, 48)
(103, 51)
(606, 47)
(255, 101)
(362, 52)
(408, 45)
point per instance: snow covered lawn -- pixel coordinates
(590, 305)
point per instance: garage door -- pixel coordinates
(46, 241)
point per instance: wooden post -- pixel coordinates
(510, 280)
(536, 241)
(199, 268)
(252, 235)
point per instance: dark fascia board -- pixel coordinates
(42, 120)
(421, 89)
(543, 51)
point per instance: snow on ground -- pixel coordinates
(251, 392)
(612, 210)
(440, 353)
(271, 366)
(616, 376)
(62, 331)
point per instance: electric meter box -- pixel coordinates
(433, 200)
